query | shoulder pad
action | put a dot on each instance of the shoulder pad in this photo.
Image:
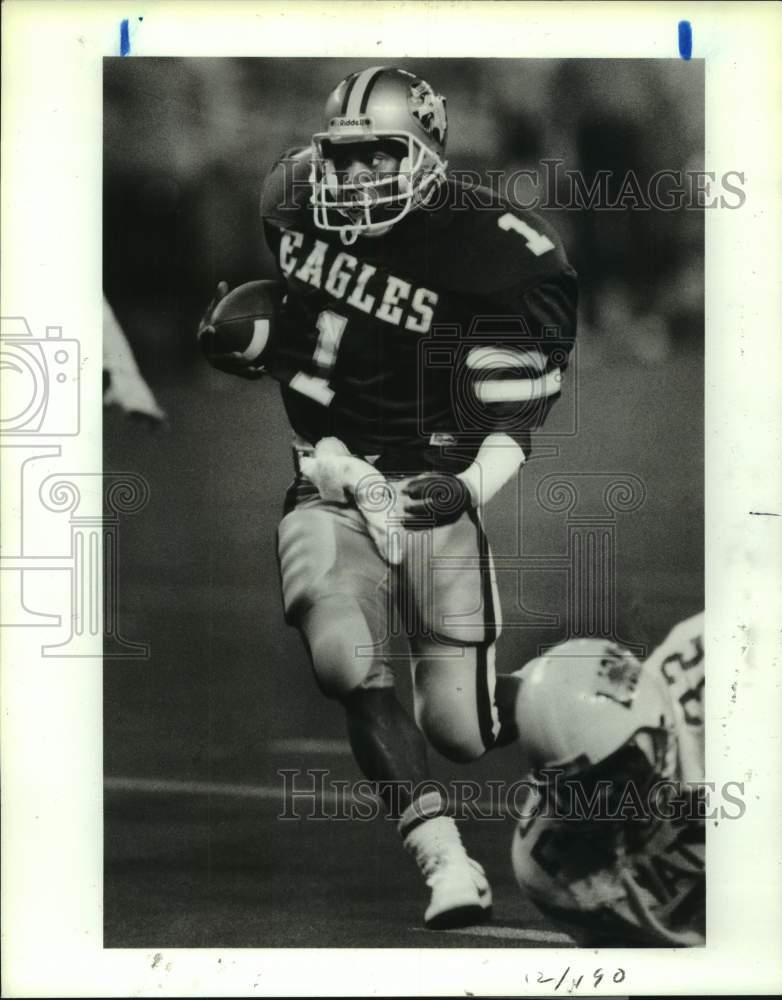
(501, 247)
(286, 190)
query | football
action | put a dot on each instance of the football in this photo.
(244, 325)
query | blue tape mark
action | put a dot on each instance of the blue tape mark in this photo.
(124, 38)
(685, 39)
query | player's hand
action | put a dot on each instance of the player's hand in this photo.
(206, 320)
(435, 498)
(233, 363)
(340, 476)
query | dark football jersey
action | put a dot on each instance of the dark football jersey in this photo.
(415, 345)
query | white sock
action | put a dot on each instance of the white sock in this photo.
(421, 810)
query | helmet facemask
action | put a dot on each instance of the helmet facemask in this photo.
(646, 759)
(371, 204)
(615, 843)
(602, 738)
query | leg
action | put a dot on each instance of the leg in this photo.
(462, 706)
(387, 745)
(391, 751)
(454, 690)
(337, 590)
(453, 605)
(506, 693)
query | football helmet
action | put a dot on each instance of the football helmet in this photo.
(586, 699)
(378, 105)
(589, 709)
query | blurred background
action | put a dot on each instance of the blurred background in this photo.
(226, 694)
(188, 142)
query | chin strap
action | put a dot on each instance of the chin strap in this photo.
(348, 237)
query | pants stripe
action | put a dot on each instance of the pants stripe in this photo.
(484, 673)
(483, 697)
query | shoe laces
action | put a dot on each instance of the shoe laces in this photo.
(437, 844)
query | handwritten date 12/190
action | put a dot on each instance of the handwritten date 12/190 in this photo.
(571, 979)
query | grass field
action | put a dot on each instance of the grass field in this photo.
(195, 735)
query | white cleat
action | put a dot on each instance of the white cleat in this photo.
(461, 895)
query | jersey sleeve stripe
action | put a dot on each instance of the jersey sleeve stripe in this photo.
(519, 390)
(481, 358)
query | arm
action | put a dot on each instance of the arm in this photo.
(442, 497)
(499, 458)
(514, 371)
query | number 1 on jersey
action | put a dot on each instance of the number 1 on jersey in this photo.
(330, 327)
(537, 242)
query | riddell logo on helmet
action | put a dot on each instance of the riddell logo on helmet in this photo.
(365, 123)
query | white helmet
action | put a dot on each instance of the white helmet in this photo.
(589, 709)
(376, 104)
(584, 700)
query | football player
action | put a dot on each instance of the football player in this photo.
(426, 330)
(612, 843)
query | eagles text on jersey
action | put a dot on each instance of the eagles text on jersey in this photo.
(416, 345)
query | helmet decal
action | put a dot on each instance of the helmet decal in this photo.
(429, 109)
(618, 674)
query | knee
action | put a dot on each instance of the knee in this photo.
(446, 714)
(340, 645)
(454, 742)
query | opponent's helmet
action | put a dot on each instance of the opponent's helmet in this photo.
(589, 709)
(588, 698)
(376, 104)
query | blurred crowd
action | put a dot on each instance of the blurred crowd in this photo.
(187, 143)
